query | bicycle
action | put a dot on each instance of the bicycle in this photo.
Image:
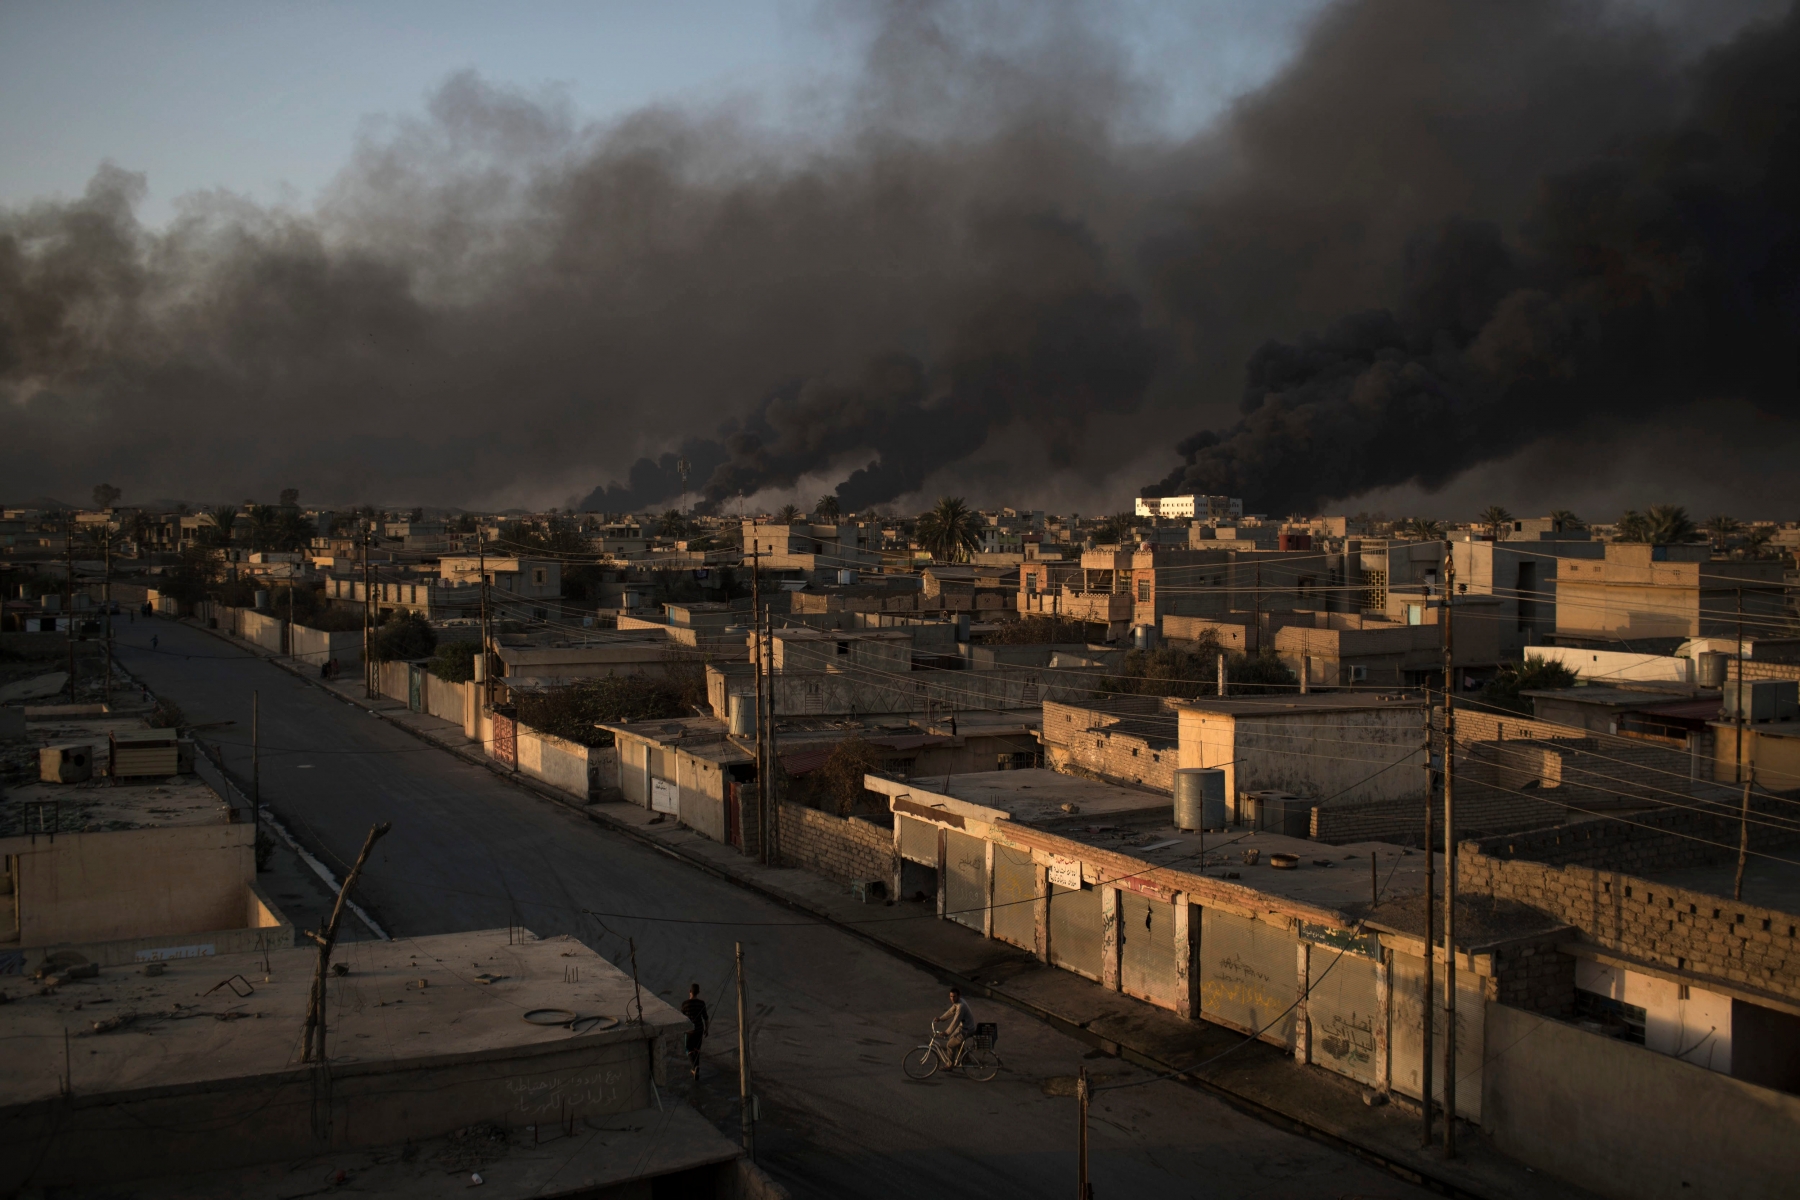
(977, 1060)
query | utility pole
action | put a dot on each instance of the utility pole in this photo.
(106, 601)
(1083, 1094)
(1449, 858)
(756, 641)
(312, 1040)
(368, 621)
(1429, 999)
(1738, 774)
(1221, 672)
(746, 1114)
(69, 596)
(1737, 889)
(486, 659)
(256, 760)
(290, 628)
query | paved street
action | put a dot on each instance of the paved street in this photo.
(832, 1013)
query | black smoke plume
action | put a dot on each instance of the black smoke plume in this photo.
(1662, 274)
(989, 269)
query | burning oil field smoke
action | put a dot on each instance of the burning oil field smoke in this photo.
(992, 269)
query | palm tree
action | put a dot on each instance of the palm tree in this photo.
(1562, 520)
(788, 515)
(671, 524)
(1424, 529)
(1755, 543)
(220, 520)
(1669, 524)
(828, 508)
(1632, 527)
(950, 531)
(1720, 529)
(1495, 518)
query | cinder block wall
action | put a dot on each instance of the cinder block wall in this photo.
(1535, 977)
(1680, 929)
(840, 848)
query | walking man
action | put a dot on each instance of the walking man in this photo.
(694, 1009)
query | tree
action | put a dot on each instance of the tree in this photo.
(219, 523)
(1424, 529)
(1261, 672)
(1534, 674)
(106, 495)
(1631, 527)
(1669, 524)
(1495, 519)
(273, 527)
(950, 531)
(290, 497)
(788, 514)
(1720, 528)
(1755, 543)
(1563, 521)
(404, 635)
(1116, 529)
(1187, 671)
(671, 524)
(828, 508)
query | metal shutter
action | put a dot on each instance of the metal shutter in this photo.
(1075, 930)
(965, 888)
(1344, 1006)
(918, 841)
(1147, 948)
(1015, 897)
(1406, 983)
(1248, 974)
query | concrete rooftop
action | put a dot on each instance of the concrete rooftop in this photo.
(103, 804)
(227, 1017)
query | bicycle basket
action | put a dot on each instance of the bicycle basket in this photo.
(986, 1034)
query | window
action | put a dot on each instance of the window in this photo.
(843, 648)
(539, 575)
(1143, 591)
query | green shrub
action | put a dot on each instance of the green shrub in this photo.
(455, 662)
(403, 636)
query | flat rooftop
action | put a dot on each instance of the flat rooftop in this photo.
(101, 804)
(239, 1016)
(1296, 704)
(1140, 824)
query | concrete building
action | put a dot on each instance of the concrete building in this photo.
(1664, 595)
(425, 1053)
(1520, 572)
(1209, 508)
(815, 552)
(512, 578)
(133, 859)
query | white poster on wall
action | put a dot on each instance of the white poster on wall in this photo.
(1065, 872)
(663, 797)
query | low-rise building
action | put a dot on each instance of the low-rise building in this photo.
(1664, 595)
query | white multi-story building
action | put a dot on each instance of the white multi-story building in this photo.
(1208, 508)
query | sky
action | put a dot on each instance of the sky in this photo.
(1039, 252)
(267, 101)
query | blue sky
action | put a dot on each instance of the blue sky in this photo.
(266, 100)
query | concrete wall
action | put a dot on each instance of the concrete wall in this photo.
(840, 848)
(444, 700)
(315, 647)
(261, 629)
(561, 764)
(1332, 755)
(1628, 1122)
(1694, 932)
(823, 693)
(1616, 666)
(133, 883)
(264, 928)
(1105, 743)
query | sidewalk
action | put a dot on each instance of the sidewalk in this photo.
(1254, 1077)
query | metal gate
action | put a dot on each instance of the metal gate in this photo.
(415, 686)
(1147, 948)
(1075, 930)
(1015, 897)
(1248, 975)
(1406, 987)
(506, 741)
(918, 841)
(965, 883)
(1343, 1006)
(734, 815)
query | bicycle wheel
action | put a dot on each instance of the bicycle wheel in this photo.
(980, 1065)
(920, 1062)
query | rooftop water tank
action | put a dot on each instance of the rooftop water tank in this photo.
(1200, 798)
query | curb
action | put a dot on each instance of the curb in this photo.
(1244, 1104)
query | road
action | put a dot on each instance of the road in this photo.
(832, 1014)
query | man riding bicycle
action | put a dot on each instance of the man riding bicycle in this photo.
(958, 1025)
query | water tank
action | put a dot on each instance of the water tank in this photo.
(1710, 665)
(1200, 798)
(740, 709)
(66, 764)
(962, 627)
(262, 601)
(846, 578)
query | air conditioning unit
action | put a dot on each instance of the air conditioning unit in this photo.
(1276, 812)
(1356, 673)
(66, 764)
